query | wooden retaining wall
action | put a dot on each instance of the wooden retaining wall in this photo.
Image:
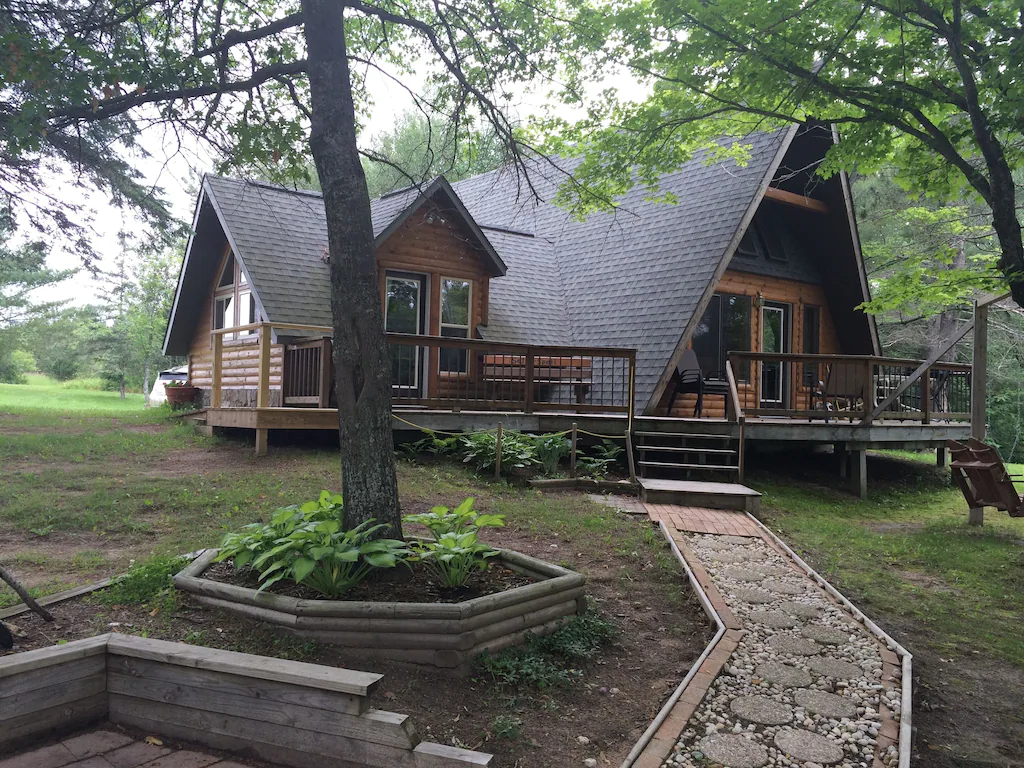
(444, 635)
(285, 712)
(52, 691)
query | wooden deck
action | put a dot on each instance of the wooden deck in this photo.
(878, 434)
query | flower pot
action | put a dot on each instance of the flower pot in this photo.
(181, 395)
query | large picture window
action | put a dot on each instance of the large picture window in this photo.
(724, 328)
(233, 302)
(456, 304)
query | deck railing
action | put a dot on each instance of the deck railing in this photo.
(850, 387)
(434, 372)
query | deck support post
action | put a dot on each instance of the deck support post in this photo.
(940, 456)
(629, 456)
(979, 376)
(844, 459)
(215, 384)
(860, 472)
(261, 442)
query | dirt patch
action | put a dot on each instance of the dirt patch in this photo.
(416, 587)
(661, 630)
(895, 528)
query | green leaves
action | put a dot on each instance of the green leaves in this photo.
(441, 520)
(453, 557)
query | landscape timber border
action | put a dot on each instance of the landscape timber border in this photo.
(446, 635)
(656, 743)
(286, 712)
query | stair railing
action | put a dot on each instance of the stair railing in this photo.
(734, 412)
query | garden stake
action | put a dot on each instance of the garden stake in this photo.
(497, 454)
(572, 453)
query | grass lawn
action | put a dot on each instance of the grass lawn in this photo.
(952, 593)
(42, 393)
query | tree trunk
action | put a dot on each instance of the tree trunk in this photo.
(145, 381)
(361, 357)
(14, 584)
(123, 390)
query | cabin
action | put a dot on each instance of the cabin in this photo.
(725, 318)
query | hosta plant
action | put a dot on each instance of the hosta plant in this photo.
(442, 520)
(518, 451)
(325, 558)
(551, 449)
(453, 557)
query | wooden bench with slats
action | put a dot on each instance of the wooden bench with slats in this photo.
(982, 477)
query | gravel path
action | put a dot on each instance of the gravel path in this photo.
(803, 687)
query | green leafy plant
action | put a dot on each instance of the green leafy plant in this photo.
(507, 727)
(452, 558)
(149, 582)
(518, 451)
(525, 666)
(255, 539)
(580, 638)
(442, 520)
(551, 449)
(431, 444)
(306, 544)
(327, 559)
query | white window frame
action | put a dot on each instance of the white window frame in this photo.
(468, 327)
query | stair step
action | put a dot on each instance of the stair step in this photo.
(685, 449)
(671, 465)
(688, 435)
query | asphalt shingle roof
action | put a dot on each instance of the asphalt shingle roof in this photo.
(629, 278)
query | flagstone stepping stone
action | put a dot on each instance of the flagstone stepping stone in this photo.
(755, 596)
(774, 619)
(826, 635)
(796, 646)
(827, 704)
(808, 747)
(785, 587)
(771, 570)
(837, 668)
(761, 710)
(733, 750)
(741, 574)
(784, 675)
(738, 556)
(801, 609)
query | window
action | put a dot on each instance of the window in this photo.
(751, 246)
(233, 302)
(456, 303)
(812, 342)
(724, 328)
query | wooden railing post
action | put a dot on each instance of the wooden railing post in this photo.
(326, 366)
(218, 364)
(263, 383)
(528, 407)
(572, 451)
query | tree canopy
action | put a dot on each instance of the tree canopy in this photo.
(935, 87)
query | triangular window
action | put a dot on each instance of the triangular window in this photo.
(227, 277)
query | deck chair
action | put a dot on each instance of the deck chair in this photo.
(982, 477)
(845, 384)
(688, 378)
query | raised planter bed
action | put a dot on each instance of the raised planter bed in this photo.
(286, 712)
(445, 635)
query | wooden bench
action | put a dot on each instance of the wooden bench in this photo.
(576, 372)
(982, 477)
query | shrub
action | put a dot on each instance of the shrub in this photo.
(551, 449)
(432, 444)
(518, 451)
(604, 456)
(579, 638)
(147, 582)
(442, 520)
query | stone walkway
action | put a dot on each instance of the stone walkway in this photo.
(109, 748)
(794, 680)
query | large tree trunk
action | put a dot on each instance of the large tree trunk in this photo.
(361, 360)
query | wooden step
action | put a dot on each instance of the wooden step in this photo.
(700, 494)
(673, 465)
(686, 449)
(685, 435)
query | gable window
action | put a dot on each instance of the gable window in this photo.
(456, 303)
(724, 328)
(233, 301)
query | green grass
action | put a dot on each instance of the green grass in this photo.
(42, 393)
(907, 554)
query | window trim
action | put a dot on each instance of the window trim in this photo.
(233, 291)
(468, 327)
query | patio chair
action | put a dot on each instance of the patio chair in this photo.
(688, 378)
(844, 386)
(982, 477)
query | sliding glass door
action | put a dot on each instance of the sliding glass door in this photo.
(405, 303)
(774, 339)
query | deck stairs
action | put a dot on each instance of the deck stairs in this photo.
(693, 462)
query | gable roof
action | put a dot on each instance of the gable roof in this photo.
(638, 277)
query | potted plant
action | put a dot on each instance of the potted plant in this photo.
(180, 393)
